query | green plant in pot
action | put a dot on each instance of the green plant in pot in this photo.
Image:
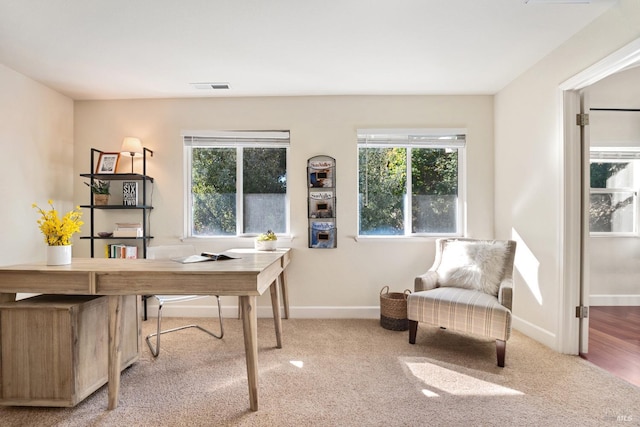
(266, 241)
(100, 190)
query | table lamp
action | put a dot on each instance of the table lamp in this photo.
(131, 147)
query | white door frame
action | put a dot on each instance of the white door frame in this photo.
(571, 232)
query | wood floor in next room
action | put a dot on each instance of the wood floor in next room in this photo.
(614, 341)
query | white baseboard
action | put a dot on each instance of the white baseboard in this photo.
(181, 310)
(614, 300)
(535, 332)
(335, 312)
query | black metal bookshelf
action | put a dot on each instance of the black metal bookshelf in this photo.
(144, 206)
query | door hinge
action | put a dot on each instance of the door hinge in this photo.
(582, 312)
(582, 119)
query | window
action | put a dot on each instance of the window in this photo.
(614, 177)
(236, 183)
(426, 165)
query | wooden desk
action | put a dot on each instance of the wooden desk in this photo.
(246, 277)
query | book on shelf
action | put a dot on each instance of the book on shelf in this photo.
(127, 232)
(204, 256)
(128, 229)
(131, 252)
(128, 225)
(119, 250)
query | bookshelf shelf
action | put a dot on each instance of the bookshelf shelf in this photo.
(116, 238)
(117, 176)
(118, 207)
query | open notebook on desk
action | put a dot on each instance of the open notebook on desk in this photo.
(204, 256)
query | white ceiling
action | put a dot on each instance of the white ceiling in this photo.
(111, 49)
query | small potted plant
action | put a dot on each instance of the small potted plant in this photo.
(266, 241)
(100, 190)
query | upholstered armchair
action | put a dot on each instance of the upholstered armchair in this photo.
(467, 289)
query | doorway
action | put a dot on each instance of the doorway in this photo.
(614, 172)
(575, 331)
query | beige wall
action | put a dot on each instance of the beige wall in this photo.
(529, 171)
(36, 136)
(323, 282)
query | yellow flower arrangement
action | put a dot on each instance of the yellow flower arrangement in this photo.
(58, 232)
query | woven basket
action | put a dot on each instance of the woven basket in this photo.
(393, 309)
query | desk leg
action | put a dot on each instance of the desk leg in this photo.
(6, 298)
(250, 328)
(275, 305)
(115, 337)
(285, 293)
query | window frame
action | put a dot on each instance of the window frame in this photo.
(616, 155)
(238, 140)
(436, 138)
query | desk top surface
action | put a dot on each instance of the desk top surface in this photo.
(247, 261)
(250, 273)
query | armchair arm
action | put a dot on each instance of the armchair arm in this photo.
(428, 280)
(505, 293)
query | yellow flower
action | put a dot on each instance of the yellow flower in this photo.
(58, 232)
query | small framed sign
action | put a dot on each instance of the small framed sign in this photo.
(108, 163)
(129, 193)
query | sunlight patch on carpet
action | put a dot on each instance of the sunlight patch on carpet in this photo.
(297, 363)
(456, 383)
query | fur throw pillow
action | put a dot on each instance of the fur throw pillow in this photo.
(473, 265)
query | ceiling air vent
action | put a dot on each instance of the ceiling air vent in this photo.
(557, 1)
(211, 86)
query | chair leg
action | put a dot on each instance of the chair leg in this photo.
(413, 330)
(156, 351)
(501, 348)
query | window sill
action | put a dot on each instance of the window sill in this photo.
(240, 240)
(609, 235)
(404, 239)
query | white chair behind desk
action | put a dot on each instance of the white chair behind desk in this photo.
(168, 252)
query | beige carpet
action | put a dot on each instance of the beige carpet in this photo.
(351, 373)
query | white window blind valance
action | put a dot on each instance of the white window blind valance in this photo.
(235, 138)
(614, 153)
(433, 138)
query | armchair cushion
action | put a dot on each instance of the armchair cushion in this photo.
(476, 265)
(461, 310)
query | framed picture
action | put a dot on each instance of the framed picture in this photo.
(108, 163)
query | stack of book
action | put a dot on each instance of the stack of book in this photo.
(128, 229)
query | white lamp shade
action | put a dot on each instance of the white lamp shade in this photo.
(131, 147)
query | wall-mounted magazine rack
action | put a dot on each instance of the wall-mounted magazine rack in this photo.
(321, 179)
